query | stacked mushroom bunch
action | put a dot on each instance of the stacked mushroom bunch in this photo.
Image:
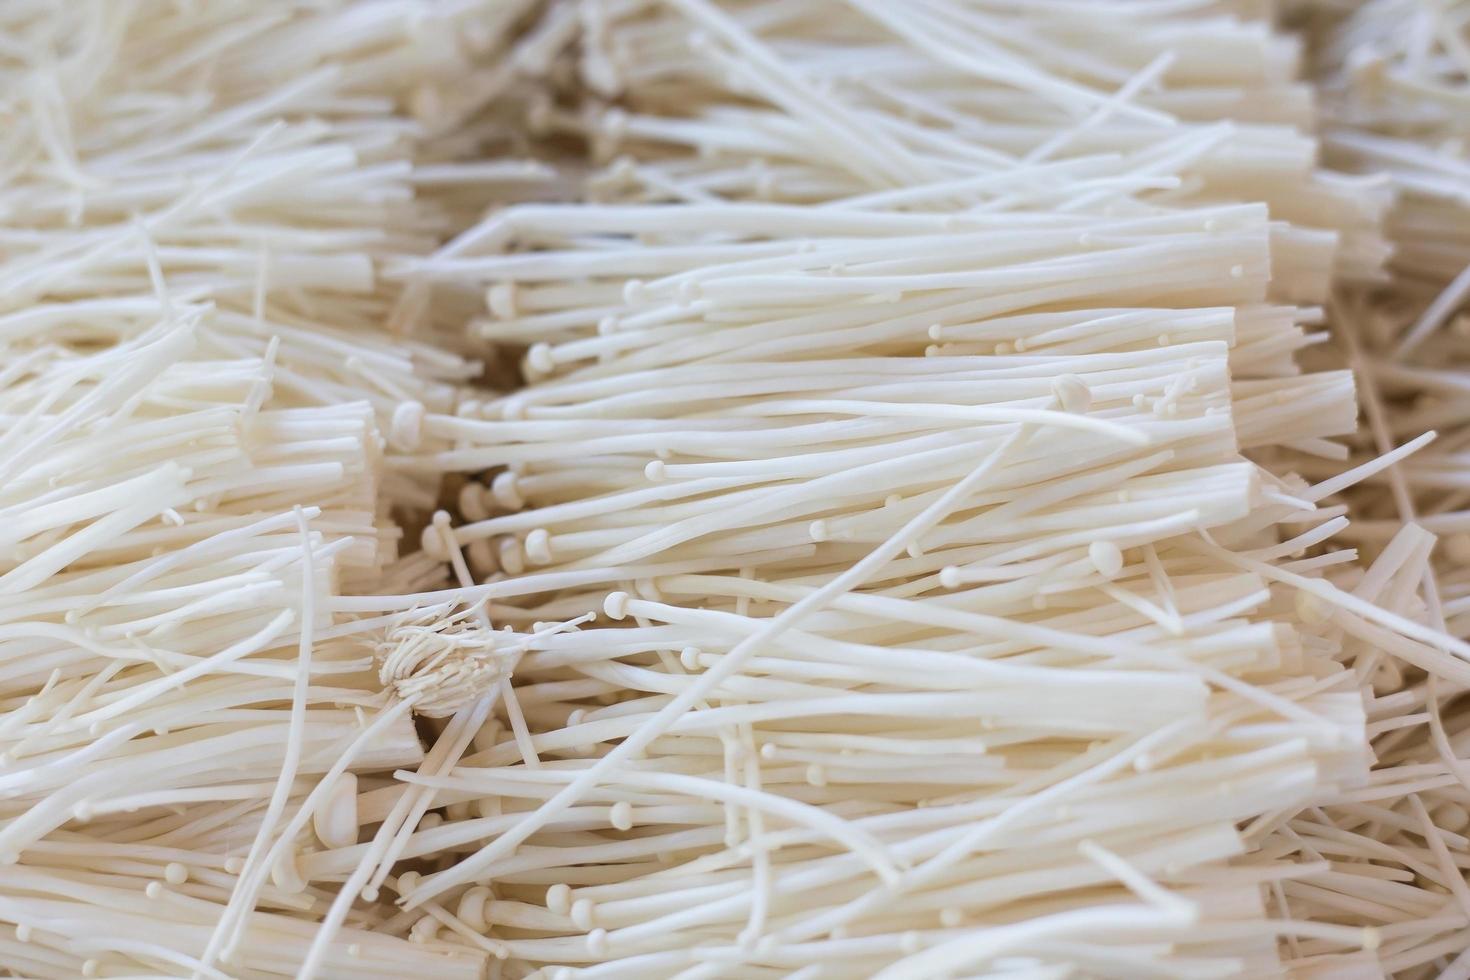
(906, 379)
(1394, 76)
(1393, 82)
(201, 369)
(914, 550)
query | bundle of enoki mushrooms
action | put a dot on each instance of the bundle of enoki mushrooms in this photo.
(733, 488)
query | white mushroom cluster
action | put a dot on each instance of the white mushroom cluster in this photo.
(624, 489)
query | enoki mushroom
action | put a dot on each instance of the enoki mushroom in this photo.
(733, 488)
